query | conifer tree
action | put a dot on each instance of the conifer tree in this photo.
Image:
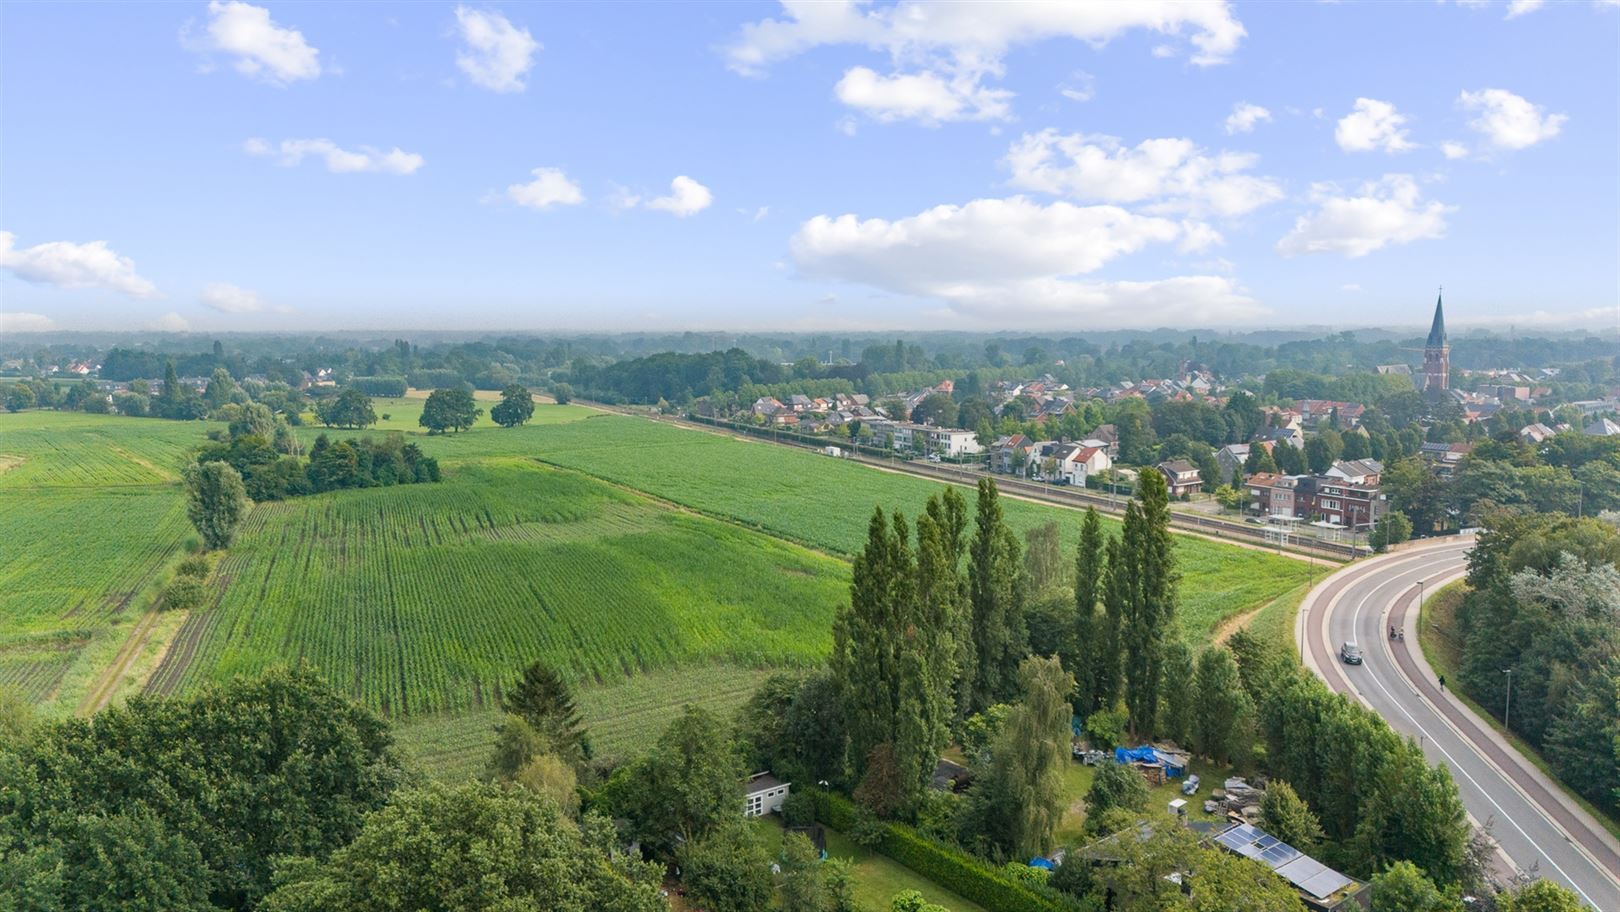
(1110, 638)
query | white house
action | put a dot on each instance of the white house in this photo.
(763, 794)
(1075, 462)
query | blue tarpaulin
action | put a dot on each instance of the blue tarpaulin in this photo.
(1173, 767)
(1135, 754)
(1039, 862)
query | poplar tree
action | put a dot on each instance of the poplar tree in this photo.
(996, 595)
(1110, 633)
(895, 652)
(1088, 628)
(1150, 609)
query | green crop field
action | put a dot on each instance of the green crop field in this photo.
(90, 513)
(541, 542)
(826, 503)
(423, 599)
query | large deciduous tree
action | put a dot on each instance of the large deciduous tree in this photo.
(349, 409)
(516, 406)
(473, 847)
(449, 409)
(150, 803)
(216, 502)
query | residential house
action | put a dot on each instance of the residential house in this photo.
(951, 442)
(1181, 475)
(1536, 433)
(1281, 496)
(1289, 435)
(1107, 437)
(1010, 455)
(1072, 463)
(1231, 458)
(1356, 471)
(1445, 457)
(1603, 427)
(766, 406)
(800, 403)
(1317, 411)
(1348, 504)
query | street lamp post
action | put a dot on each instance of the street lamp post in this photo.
(1507, 706)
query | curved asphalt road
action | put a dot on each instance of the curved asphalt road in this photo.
(1537, 827)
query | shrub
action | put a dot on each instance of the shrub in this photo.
(798, 809)
(194, 567)
(184, 594)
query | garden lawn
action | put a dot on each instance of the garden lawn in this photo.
(877, 877)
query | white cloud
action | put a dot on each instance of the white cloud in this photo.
(227, 298)
(290, 152)
(1172, 175)
(170, 322)
(550, 187)
(1372, 125)
(1081, 87)
(942, 52)
(926, 97)
(846, 126)
(1386, 211)
(1017, 259)
(1244, 116)
(495, 54)
(1350, 286)
(263, 50)
(1518, 8)
(69, 265)
(686, 197)
(1454, 150)
(17, 321)
(1509, 121)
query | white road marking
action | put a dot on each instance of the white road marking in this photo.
(1457, 768)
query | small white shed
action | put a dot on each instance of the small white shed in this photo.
(763, 794)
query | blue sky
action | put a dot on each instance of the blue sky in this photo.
(284, 166)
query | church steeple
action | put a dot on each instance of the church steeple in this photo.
(1437, 352)
(1437, 330)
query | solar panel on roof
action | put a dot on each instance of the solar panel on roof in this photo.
(1325, 884)
(1266, 841)
(1280, 854)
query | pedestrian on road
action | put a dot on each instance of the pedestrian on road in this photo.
(1442, 682)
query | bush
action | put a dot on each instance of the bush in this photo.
(194, 567)
(184, 594)
(798, 809)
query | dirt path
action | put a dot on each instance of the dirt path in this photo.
(106, 686)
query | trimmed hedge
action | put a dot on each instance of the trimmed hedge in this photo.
(950, 868)
(385, 387)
